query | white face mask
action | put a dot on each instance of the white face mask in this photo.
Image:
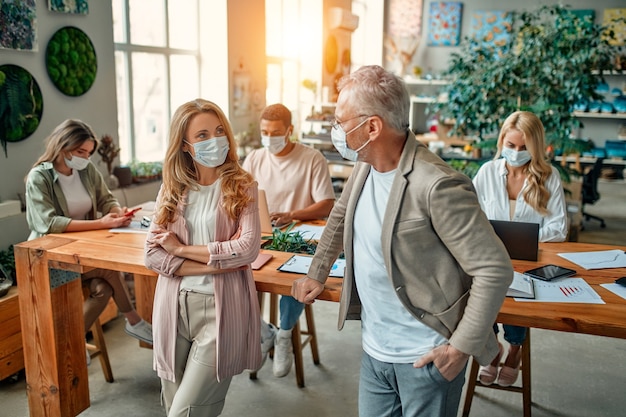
(77, 163)
(211, 152)
(338, 137)
(515, 158)
(274, 144)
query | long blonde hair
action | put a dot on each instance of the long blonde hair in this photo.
(179, 170)
(539, 169)
(67, 137)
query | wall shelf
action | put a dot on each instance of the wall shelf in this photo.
(599, 115)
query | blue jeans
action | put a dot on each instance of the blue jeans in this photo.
(400, 390)
(515, 335)
(290, 310)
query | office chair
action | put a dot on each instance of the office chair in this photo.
(590, 190)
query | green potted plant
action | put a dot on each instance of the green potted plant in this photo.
(550, 62)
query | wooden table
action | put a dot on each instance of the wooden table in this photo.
(52, 321)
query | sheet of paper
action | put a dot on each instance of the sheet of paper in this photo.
(597, 260)
(567, 290)
(300, 264)
(309, 231)
(133, 227)
(616, 289)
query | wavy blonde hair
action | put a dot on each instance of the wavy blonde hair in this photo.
(539, 169)
(179, 170)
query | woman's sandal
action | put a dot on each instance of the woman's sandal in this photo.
(487, 374)
(508, 375)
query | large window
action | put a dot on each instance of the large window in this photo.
(157, 64)
(294, 52)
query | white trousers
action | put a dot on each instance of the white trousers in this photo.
(196, 391)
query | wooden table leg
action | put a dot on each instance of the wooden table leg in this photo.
(145, 286)
(53, 335)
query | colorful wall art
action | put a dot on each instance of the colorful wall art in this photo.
(18, 25)
(69, 6)
(71, 61)
(21, 104)
(444, 23)
(611, 17)
(491, 27)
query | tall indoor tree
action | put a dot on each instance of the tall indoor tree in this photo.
(553, 58)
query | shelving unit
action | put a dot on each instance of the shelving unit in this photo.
(422, 93)
(602, 126)
(318, 124)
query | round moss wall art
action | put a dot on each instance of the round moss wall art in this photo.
(21, 104)
(71, 61)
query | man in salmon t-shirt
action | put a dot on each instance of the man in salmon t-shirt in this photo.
(297, 183)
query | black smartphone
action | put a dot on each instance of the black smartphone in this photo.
(550, 272)
(621, 281)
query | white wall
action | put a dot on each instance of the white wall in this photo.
(97, 107)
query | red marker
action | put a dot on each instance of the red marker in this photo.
(132, 212)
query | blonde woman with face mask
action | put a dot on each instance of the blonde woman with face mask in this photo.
(520, 185)
(205, 234)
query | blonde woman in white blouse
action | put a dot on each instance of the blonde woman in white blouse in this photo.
(521, 185)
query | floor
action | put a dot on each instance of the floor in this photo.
(572, 375)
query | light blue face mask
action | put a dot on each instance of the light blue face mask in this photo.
(211, 152)
(338, 137)
(515, 158)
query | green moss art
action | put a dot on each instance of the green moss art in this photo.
(21, 104)
(71, 61)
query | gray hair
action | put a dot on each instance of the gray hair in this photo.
(376, 91)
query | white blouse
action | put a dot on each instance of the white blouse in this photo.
(490, 184)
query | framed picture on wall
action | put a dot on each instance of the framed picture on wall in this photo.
(18, 28)
(241, 93)
(69, 6)
(444, 23)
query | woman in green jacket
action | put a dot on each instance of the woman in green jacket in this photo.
(65, 192)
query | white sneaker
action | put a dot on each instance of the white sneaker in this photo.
(268, 343)
(141, 331)
(283, 353)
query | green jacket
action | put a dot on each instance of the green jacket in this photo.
(46, 206)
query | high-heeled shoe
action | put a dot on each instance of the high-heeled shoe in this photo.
(488, 374)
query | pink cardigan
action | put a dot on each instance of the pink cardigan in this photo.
(236, 302)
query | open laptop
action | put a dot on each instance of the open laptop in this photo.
(520, 239)
(264, 213)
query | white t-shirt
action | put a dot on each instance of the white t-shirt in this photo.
(291, 182)
(200, 216)
(76, 195)
(389, 332)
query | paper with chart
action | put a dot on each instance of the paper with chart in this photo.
(567, 290)
(597, 260)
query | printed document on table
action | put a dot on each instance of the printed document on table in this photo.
(309, 232)
(567, 290)
(616, 289)
(300, 264)
(597, 260)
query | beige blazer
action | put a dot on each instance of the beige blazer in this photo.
(437, 245)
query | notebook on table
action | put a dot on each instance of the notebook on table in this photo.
(521, 239)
